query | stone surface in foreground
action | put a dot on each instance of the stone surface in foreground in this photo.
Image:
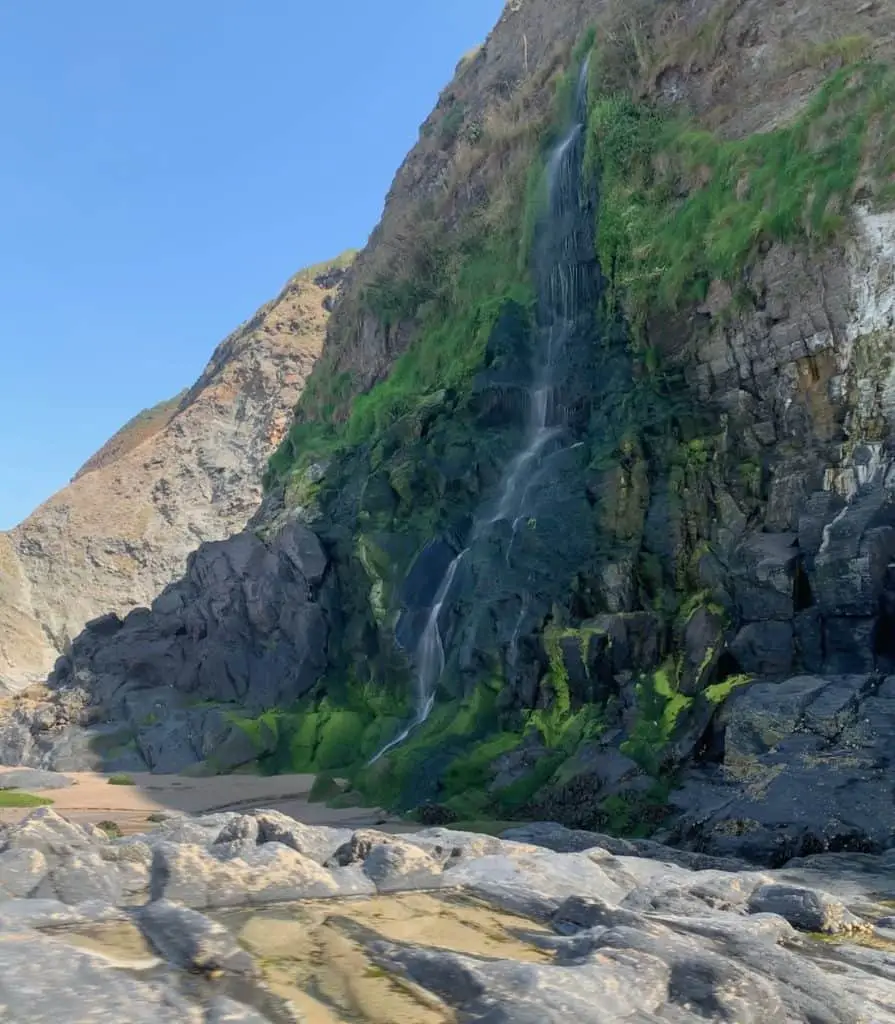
(257, 919)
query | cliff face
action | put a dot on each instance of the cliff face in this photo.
(184, 472)
(598, 451)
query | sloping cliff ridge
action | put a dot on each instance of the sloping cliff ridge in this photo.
(685, 626)
(184, 472)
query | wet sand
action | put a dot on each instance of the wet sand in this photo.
(92, 799)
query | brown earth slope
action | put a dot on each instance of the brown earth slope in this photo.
(184, 472)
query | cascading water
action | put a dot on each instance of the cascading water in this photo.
(428, 661)
(562, 292)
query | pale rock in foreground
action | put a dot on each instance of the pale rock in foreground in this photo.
(619, 937)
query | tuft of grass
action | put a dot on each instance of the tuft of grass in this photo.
(846, 49)
(121, 780)
(111, 828)
(19, 798)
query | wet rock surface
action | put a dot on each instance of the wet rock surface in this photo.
(514, 932)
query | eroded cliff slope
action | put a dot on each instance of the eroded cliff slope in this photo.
(184, 472)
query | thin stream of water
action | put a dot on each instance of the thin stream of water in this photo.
(561, 288)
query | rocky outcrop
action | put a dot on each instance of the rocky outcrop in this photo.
(523, 933)
(186, 472)
(796, 767)
(243, 631)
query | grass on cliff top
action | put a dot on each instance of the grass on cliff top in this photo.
(681, 207)
(19, 798)
(341, 262)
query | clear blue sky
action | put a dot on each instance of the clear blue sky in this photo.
(167, 165)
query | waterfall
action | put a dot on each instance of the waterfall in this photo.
(562, 295)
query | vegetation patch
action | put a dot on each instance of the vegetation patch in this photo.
(121, 780)
(635, 815)
(338, 731)
(19, 798)
(719, 692)
(659, 706)
(681, 207)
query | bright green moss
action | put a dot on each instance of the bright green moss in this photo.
(719, 693)
(659, 706)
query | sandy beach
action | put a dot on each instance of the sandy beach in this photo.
(92, 798)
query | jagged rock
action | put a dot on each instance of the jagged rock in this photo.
(317, 842)
(242, 625)
(401, 866)
(534, 883)
(515, 764)
(46, 831)
(389, 861)
(807, 767)
(621, 983)
(763, 576)
(243, 829)
(84, 876)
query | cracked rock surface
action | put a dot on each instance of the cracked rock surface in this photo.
(254, 918)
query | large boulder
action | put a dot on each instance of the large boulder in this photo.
(806, 765)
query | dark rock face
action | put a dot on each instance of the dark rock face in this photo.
(808, 765)
(244, 627)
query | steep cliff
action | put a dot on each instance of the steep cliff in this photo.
(186, 471)
(597, 449)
